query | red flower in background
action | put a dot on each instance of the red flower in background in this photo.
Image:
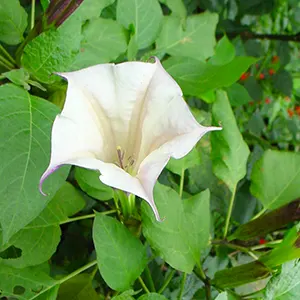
(297, 110)
(290, 112)
(262, 241)
(272, 72)
(244, 76)
(275, 59)
(261, 76)
(267, 100)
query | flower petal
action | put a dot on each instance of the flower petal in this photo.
(167, 119)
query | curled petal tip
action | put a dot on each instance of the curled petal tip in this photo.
(41, 189)
(44, 176)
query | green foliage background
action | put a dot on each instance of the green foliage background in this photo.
(231, 205)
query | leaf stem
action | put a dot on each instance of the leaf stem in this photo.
(229, 211)
(32, 14)
(143, 285)
(149, 278)
(66, 278)
(90, 216)
(181, 182)
(235, 247)
(259, 214)
(7, 54)
(168, 280)
(182, 286)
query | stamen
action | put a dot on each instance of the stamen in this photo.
(120, 156)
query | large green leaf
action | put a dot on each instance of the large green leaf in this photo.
(184, 233)
(229, 150)
(39, 239)
(25, 125)
(275, 178)
(23, 283)
(121, 256)
(144, 15)
(287, 283)
(196, 77)
(90, 183)
(196, 40)
(103, 41)
(13, 22)
(52, 51)
(78, 288)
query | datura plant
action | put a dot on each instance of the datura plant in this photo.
(126, 120)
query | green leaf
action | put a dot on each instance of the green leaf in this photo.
(287, 250)
(103, 41)
(178, 166)
(229, 150)
(78, 288)
(25, 125)
(127, 295)
(224, 296)
(91, 9)
(132, 48)
(23, 283)
(224, 52)
(51, 294)
(238, 95)
(280, 286)
(275, 178)
(146, 17)
(13, 22)
(197, 40)
(90, 183)
(19, 77)
(283, 82)
(39, 239)
(121, 256)
(236, 276)
(184, 233)
(196, 77)
(152, 296)
(269, 222)
(177, 7)
(52, 51)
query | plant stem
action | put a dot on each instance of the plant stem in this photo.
(7, 54)
(32, 14)
(229, 211)
(168, 280)
(182, 286)
(66, 278)
(149, 278)
(181, 182)
(86, 217)
(143, 285)
(7, 64)
(200, 273)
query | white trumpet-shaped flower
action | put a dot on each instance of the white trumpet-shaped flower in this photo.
(125, 120)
